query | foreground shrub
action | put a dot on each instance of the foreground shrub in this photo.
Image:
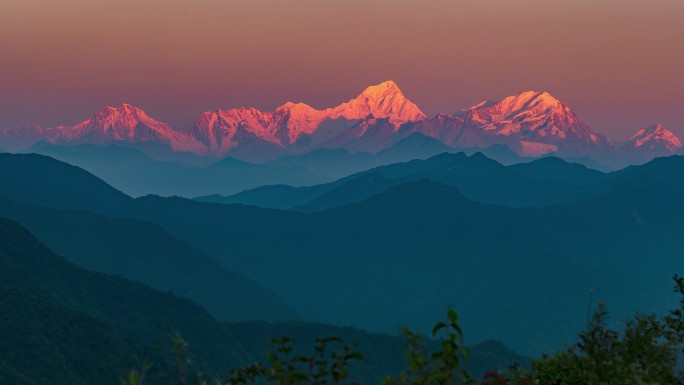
(645, 351)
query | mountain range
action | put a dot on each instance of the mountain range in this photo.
(395, 245)
(136, 285)
(67, 325)
(530, 123)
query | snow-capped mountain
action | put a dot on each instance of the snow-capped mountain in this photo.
(653, 141)
(530, 123)
(384, 100)
(129, 124)
(124, 123)
(536, 120)
(222, 130)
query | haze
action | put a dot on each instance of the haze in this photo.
(617, 63)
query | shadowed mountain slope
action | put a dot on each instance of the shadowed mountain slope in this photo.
(144, 252)
(66, 325)
(403, 254)
(541, 183)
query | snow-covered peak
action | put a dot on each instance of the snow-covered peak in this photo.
(656, 139)
(125, 123)
(301, 111)
(540, 102)
(127, 107)
(120, 121)
(536, 118)
(382, 89)
(384, 100)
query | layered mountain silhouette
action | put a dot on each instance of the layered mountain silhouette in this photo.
(542, 182)
(406, 252)
(143, 252)
(136, 173)
(67, 325)
(63, 324)
(530, 123)
(397, 244)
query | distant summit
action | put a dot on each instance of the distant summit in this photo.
(657, 139)
(531, 123)
(124, 123)
(384, 100)
(538, 121)
(651, 142)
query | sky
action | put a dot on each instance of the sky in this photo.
(616, 63)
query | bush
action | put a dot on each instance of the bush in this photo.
(644, 352)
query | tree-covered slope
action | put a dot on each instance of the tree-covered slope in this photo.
(143, 252)
(44, 344)
(65, 325)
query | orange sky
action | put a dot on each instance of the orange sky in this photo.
(617, 63)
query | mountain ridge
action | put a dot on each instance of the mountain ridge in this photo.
(531, 123)
(453, 236)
